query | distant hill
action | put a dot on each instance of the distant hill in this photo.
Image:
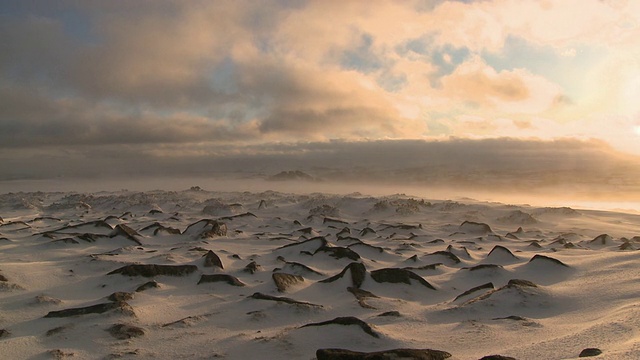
(291, 175)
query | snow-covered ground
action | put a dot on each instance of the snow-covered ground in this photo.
(246, 271)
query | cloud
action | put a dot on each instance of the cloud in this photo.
(502, 165)
(515, 91)
(239, 72)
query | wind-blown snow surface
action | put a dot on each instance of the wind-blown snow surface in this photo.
(465, 277)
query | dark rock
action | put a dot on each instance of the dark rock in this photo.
(390, 313)
(497, 357)
(394, 275)
(347, 320)
(229, 279)
(206, 228)
(262, 205)
(120, 296)
(483, 266)
(124, 331)
(59, 354)
(334, 221)
(284, 281)
(252, 267)
(547, 259)
(475, 227)
(408, 354)
(312, 244)
(366, 231)
(3, 278)
(588, 352)
(261, 296)
(151, 270)
(358, 272)
(4, 333)
(232, 217)
(498, 249)
(127, 232)
(512, 317)
(338, 252)
(477, 288)
(148, 285)
(211, 260)
(120, 306)
(91, 237)
(447, 254)
(157, 227)
(602, 239)
(520, 282)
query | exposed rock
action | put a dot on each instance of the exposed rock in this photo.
(520, 282)
(262, 205)
(394, 354)
(229, 279)
(312, 245)
(3, 278)
(120, 296)
(497, 357)
(543, 258)
(501, 250)
(261, 296)
(120, 306)
(447, 254)
(603, 239)
(148, 285)
(588, 352)
(474, 289)
(334, 221)
(394, 275)
(475, 227)
(127, 232)
(206, 228)
(366, 231)
(4, 333)
(91, 237)
(59, 354)
(187, 321)
(252, 267)
(151, 270)
(338, 252)
(512, 317)
(483, 266)
(157, 228)
(284, 281)
(357, 270)
(347, 320)
(390, 313)
(211, 260)
(124, 331)
(518, 217)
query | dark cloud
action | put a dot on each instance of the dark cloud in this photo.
(498, 165)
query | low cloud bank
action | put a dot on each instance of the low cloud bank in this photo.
(492, 164)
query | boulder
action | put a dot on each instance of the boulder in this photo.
(408, 354)
(151, 270)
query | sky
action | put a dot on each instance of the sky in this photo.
(151, 84)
